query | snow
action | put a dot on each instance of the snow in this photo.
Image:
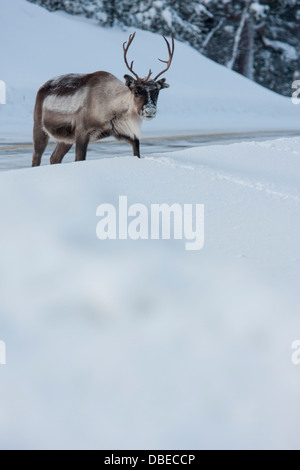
(203, 96)
(258, 10)
(167, 15)
(142, 344)
(288, 51)
(200, 9)
(136, 344)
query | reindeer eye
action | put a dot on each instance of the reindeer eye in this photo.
(137, 92)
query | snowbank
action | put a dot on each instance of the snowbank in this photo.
(204, 96)
(141, 344)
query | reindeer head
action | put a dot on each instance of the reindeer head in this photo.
(146, 91)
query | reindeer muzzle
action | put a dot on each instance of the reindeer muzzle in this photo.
(148, 112)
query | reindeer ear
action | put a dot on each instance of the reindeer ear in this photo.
(129, 81)
(162, 83)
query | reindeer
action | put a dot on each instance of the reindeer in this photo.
(83, 108)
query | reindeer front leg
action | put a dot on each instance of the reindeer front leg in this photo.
(135, 143)
(136, 147)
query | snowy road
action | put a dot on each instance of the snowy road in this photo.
(17, 155)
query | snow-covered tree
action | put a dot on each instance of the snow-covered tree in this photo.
(257, 38)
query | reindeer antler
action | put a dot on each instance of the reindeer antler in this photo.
(171, 53)
(125, 48)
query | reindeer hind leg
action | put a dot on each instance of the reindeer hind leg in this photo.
(40, 141)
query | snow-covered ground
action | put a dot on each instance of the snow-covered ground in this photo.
(141, 344)
(203, 96)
